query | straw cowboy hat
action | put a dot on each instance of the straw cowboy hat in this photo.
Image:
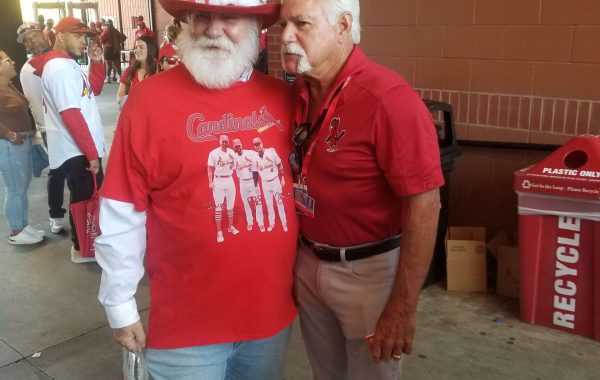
(179, 8)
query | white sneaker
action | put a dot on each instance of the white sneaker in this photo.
(57, 225)
(24, 238)
(285, 229)
(249, 227)
(261, 227)
(233, 230)
(270, 228)
(78, 259)
(220, 238)
(33, 231)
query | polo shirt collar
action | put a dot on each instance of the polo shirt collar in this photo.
(356, 62)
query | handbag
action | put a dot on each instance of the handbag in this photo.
(85, 218)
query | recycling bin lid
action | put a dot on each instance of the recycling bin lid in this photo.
(573, 170)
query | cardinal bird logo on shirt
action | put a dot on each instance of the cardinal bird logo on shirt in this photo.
(334, 135)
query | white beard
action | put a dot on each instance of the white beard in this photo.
(295, 48)
(217, 68)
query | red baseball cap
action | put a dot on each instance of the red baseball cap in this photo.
(71, 24)
(257, 8)
(167, 50)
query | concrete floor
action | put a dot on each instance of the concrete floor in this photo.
(48, 306)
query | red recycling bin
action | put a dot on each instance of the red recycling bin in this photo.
(559, 238)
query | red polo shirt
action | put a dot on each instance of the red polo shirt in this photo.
(383, 147)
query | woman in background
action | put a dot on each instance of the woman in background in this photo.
(16, 129)
(146, 56)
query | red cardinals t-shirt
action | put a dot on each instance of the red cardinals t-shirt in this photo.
(205, 291)
(379, 146)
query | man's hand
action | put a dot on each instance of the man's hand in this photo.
(210, 185)
(132, 337)
(282, 181)
(393, 334)
(95, 51)
(94, 166)
(395, 328)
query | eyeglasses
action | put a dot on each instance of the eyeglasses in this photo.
(170, 60)
(5, 59)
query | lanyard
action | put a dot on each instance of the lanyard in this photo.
(325, 121)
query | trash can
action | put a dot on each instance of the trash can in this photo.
(449, 150)
(559, 238)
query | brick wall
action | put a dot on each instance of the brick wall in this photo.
(524, 71)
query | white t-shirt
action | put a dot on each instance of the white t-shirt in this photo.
(66, 86)
(245, 164)
(32, 88)
(222, 161)
(267, 165)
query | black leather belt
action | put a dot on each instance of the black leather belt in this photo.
(332, 254)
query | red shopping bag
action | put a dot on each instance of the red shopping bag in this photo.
(85, 217)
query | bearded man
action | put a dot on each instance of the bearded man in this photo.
(218, 309)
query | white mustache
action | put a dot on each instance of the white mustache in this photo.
(293, 48)
(220, 43)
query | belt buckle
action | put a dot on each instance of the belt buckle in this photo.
(327, 252)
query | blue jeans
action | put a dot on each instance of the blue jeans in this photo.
(16, 170)
(248, 360)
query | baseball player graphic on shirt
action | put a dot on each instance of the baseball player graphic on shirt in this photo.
(220, 180)
(269, 168)
(247, 173)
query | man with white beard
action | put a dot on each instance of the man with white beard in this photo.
(218, 309)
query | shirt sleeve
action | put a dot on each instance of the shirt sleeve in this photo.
(405, 141)
(79, 130)
(120, 251)
(97, 75)
(66, 87)
(123, 77)
(32, 88)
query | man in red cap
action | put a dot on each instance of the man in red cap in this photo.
(367, 187)
(219, 308)
(73, 126)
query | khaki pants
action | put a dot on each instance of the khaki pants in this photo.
(339, 305)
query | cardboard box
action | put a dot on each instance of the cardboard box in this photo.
(508, 271)
(465, 259)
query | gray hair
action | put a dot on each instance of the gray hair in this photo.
(335, 8)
